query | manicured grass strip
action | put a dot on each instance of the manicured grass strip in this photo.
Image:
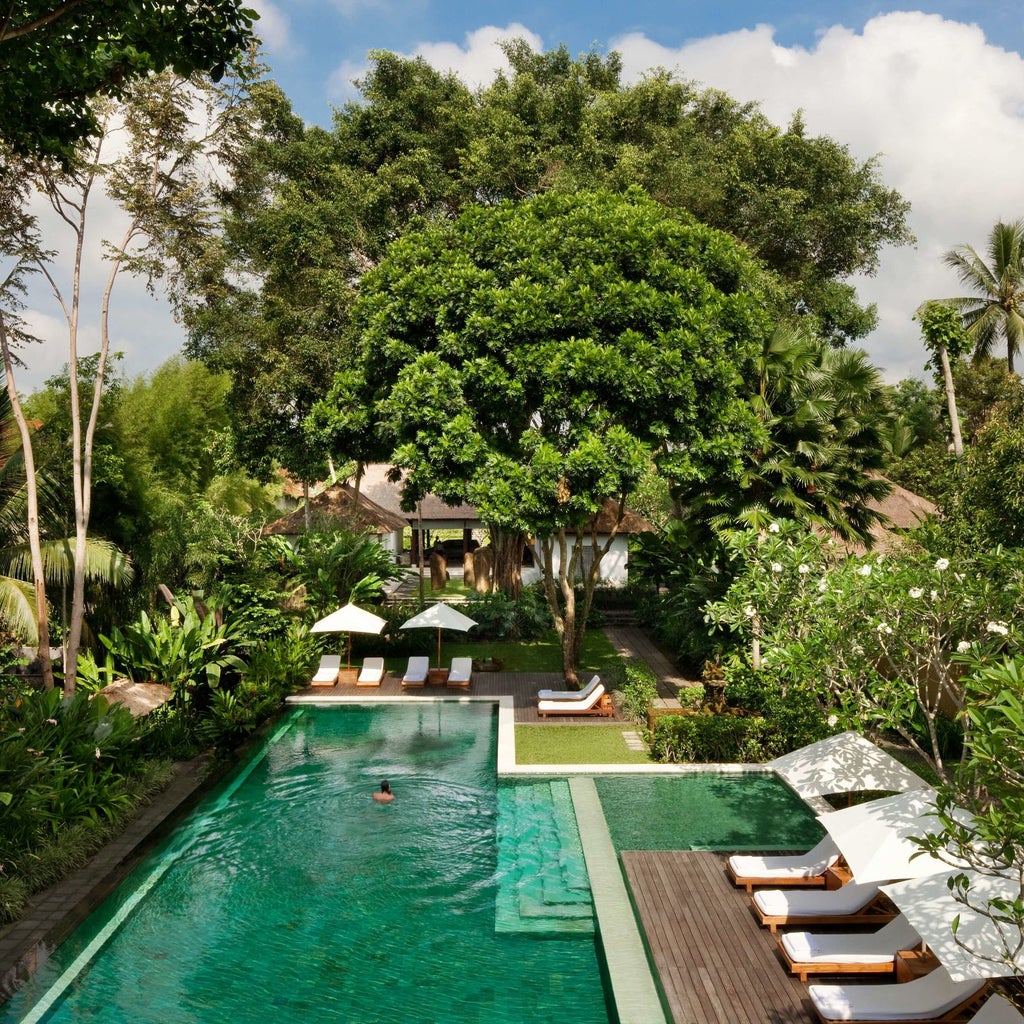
(576, 744)
(543, 655)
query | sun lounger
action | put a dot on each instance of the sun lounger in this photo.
(597, 702)
(570, 694)
(371, 673)
(416, 671)
(461, 672)
(998, 1010)
(803, 869)
(327, 671)
(858, 953)
(856, 903)
(935, 997)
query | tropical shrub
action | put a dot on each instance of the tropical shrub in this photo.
(876, 637)
(639, 691)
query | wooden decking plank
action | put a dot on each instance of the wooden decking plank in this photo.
(716, 965)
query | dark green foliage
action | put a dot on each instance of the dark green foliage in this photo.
(500, 617)
(55, 59)
(776, 720)
(639, 691)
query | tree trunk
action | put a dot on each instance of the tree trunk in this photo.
(32, 495)
(507, 570)
(954, 418)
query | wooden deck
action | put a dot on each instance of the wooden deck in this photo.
(716, 964)
(521, 686)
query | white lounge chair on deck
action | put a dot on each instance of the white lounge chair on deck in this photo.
(416, 671)
(855, 903)
(461, 672)
(846, 953)
(934, 997)
(371, 673)
(997, 1010)
(327, 671)
(597, 702)
(570, 694)
(804, 869)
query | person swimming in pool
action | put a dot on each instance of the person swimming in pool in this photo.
(384, 794)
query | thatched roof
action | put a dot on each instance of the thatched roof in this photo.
(632, 522)
(901, 510)
(336, 509)
(376, 485)
(138, 698)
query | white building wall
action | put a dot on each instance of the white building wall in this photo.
(613, 564)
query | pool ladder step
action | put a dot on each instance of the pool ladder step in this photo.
(542, 882)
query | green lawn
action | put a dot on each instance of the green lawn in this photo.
(543, 655)
(576, 744)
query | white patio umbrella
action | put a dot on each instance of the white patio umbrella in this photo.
(875, 837)
(440, 616)
(348, 620)
(845, 763)
(985, 949)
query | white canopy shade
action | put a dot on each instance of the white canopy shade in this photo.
(350, 619)
(875, 837)
(845, 763)
(440, 616)
(930, 907)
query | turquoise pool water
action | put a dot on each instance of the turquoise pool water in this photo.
(291, 896)
(706, 811)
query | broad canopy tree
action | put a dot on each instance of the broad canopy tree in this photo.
(535, 358)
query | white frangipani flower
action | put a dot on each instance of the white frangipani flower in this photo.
(884, 627)
(864, 570)
(803, 568)
(963, 646)
(915, 592)
(997, 627)
(822, 586)
(776, 567)
(750, 611)
(942, 564)
(773, 528)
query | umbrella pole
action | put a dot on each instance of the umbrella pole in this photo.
(348, 657)
(438, 646)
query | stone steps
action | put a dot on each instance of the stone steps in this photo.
(542, 881)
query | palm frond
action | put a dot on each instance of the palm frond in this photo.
(18, 608)
(104, 562)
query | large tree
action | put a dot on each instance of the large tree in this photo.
(534, 358)
(56, 58)
(267, 291)
(995, 310)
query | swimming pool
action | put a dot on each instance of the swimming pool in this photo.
(706, 811)
(291, 896)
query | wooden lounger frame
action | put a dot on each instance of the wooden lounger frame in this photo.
(603, 708)
(802, 968)
(878, 910)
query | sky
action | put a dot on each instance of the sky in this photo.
(936, 96)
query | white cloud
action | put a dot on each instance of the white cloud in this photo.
(477, 62)
(480, 59)
(942, 108)
(274, 28)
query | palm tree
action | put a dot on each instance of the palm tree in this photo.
(824, 420)
(994, 311)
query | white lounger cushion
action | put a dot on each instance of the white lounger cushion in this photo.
(848, 948)
(373, 671)
(806, 902)
(997, 1011)
(801, 865)
(416, 671)
(570, 694)
(461, 670)
(569, 706)
(327, 670)
(921, 999)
